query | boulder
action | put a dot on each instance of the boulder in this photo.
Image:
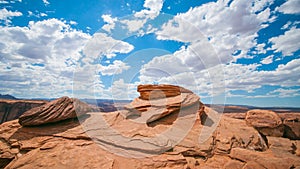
(54, 111)
(266, 122)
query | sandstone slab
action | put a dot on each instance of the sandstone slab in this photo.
(54, 111)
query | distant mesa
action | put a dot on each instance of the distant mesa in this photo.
(7, 96)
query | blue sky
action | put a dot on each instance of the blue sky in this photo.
(231, 51)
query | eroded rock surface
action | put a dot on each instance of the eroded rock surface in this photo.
(157, 101)
(192, 138)
(13, 109)
(150, 92)
(54, 111)
(266, 122)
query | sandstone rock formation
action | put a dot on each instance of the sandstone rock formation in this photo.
(149, 92)
(67, 144)
(54, 111)
(266, 122)
(13, 109)
(182, 139)
(292, 127)
(157, 101)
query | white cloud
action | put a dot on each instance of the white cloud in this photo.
(288, 43)
(153, 9)
(267, 60)
(4, 2)
(230, 28)
(116, 68)
(39, 55)
(287, 25)
(110, 22)
(46, 2)
(6, 15)
(103, 45)
(120, 90)
(36, 14)
(284, 92)
(134, 25)
(246, 77)
(290, 7)
(260, 48)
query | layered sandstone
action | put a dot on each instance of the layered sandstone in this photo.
(13, 109)
(265, 121)
(157, 101)
(182, 139)
(54, 111)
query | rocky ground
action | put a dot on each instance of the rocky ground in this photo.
(185, 134)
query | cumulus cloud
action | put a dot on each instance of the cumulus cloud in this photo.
(46, 2)
(152, 10)
(288, 43)
(110, 22)
(116, 68)
(103, 45)
(40, 54)
(120, 90)
(281, 92)
(290, 7)
(6, 15)
(213, 32)
(247, 77)
(229, 27)
(267, 60)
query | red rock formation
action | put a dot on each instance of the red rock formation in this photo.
(57, 110)
(183, 139)
(67, 145)
(266, 122)
(13, 109)
(157, 101)
(149, 92)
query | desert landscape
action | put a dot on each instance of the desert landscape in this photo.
(68, 133)
(150, 84)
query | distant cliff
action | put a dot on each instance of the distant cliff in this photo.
(12, 109)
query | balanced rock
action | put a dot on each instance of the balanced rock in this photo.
(157, 101)
(266, 122)
(54, 111)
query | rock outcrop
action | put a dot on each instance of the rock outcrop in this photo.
(149, 92)
(13, 109)
(54, 111)
(292, 128)
(182, 139)
(266, 122)
(157, 101)
(67, 144)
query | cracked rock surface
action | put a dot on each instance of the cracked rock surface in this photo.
(189, 137)
(66, 144)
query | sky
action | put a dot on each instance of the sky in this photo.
(243, 52)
